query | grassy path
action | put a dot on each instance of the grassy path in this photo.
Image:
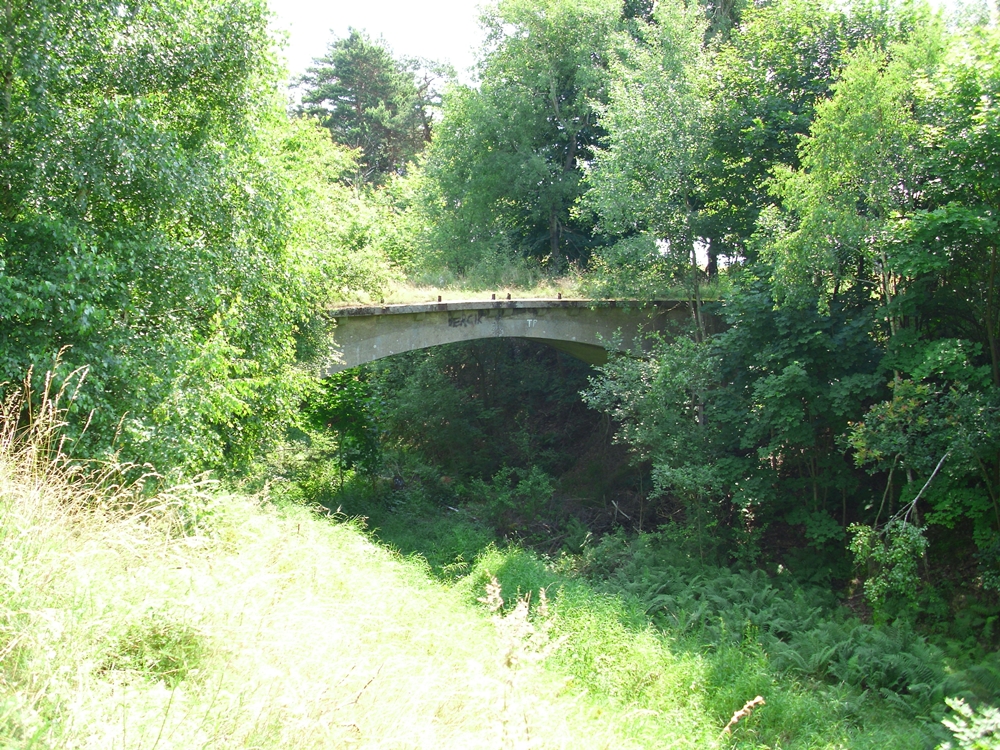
(215, 621)
(267, 628)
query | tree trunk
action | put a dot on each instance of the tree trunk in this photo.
(422, 104)
(695, 288)
(7, 69)
(991, 319)
(713, 262)
(554, 231)
(7, 203)
(889, 286)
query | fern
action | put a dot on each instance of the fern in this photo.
(801, 630)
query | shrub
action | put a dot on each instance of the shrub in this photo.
(974, 729)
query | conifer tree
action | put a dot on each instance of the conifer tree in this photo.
(371, 101)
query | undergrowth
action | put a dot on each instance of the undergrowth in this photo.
(188, 618)
(648, 623)
(803, 628)
(674, 683)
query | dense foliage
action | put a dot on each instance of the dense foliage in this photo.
(371, 101)
(832, 170)
(862, 327)
(505, 168)
(139, 228)
(163, 224)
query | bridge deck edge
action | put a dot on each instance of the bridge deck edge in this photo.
(506, 304)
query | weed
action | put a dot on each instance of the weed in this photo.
(158, 645)
(743, 713)
(525, 640)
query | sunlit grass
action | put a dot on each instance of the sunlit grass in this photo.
(409, 292)
(203, 620)
(278, 629)
(195, 619)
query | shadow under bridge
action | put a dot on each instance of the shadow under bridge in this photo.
(579, 327)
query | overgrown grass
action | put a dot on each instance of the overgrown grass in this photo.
(500, 274)
(459, 289)
(572, 286)
(640, 613)
(125, 625)
(191, 618)
(521, 278)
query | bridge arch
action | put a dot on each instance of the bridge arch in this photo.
(578, 327)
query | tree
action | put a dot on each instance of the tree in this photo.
(894, 208)
(853, 261)
(141, 224)
(645, 180)
(333, 228)
(859, 171)
(342, 404)
(959, 230)
(945, 401)
(505, 164)
(768, 76)
(373, 102)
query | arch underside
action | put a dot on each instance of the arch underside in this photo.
(592, 354)
(577, 330)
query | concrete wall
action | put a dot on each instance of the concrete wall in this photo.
(577, 327)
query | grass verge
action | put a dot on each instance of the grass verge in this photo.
(192, 618)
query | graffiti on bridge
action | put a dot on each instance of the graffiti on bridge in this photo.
(497, 317)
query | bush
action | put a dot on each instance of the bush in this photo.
(513, 494)
(974, 729)
(632, 268)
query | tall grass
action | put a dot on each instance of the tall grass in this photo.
(126, 624)
(188, 618)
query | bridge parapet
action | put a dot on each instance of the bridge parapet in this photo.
(579, 327)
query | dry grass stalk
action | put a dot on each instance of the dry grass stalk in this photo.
(524, 641)
(744, 712)
(35, 451)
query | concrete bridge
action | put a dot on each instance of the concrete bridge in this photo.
(579, 327)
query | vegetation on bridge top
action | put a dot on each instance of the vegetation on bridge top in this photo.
(568, 286)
